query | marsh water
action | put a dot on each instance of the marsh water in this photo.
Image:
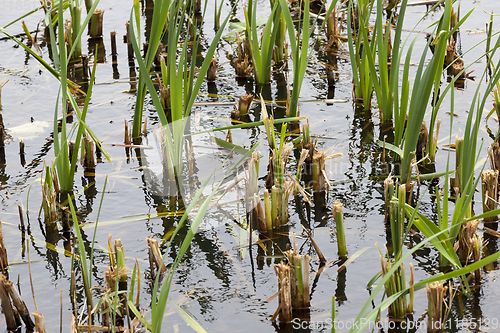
(221, 282)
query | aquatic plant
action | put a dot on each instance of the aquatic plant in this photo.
(178, 76)
(357, 18)
(261, 55)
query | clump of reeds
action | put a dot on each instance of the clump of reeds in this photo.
(489, 182)
(395, 284)
(435, 297)
(293, 284)
(283, 272)
(95, 29)
(299, 279)
(338, 214)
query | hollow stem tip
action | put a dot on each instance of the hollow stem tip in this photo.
(339, 222)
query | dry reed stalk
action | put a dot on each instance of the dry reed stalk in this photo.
(388, 194)
(96, 24)
(85, 67)
(267, 209)
(3, 82)
(4, 263)
(130, 48)
(244, 104)
(423, 138)
(73, 324)
(65, 213)
(155, 257)
(112, 35)
(7, 308)
(489, 182)
(212, 68)
(261, 219)
(477, 247)
(243, 67)
(283, 272)
(128, 135)
(22, 155)
(318, 167)
(18, 303)
(494, 153)
(158, 55)
(322, 258)
(435, 297)
(88, 154)
(466, 240)
(21, 218)
(411, 283)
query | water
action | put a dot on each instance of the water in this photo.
(222, 286)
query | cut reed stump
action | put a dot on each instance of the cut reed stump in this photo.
(244, 104)
(95, 30)
(212, 68)
(299, 279)
(466, 241)
(435, 297)
(130, 48)
(88, 155)
(283, 272)
(388, 194)
(22, 155)
(85, 67)
(112, 35)
(39, 322)
(489, 182)
(338, 214)
(423, 138)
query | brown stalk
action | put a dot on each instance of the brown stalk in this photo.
(489, 182)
